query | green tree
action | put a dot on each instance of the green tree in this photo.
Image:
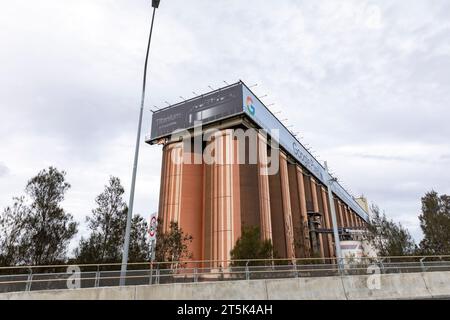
(172, 246)
(39, 232)
(139, 244)
(250, 246)
(387, 237)
(12, 231)
(107, 230)
(435, 224)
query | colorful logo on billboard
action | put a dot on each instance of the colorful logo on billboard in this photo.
(250, 107)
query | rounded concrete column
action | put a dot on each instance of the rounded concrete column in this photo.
(222, 207)
(181, 195)
(341, 214)
(287, 212)
(328, 223)
(303, 213)
(316, 209)
(171, 175)
(264, 191)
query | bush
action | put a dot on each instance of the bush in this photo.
(250, 246)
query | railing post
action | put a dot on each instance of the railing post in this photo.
(294, 265)
(97, 277)
(422, 264)
(29, 280)
(150, 280)
(247, 271)
(195, 274)
(382, 266)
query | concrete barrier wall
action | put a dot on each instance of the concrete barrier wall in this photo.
(392, 286)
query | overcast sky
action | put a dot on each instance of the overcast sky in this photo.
(366, 83)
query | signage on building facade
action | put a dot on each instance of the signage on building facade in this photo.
(266, 120)
(206, 108)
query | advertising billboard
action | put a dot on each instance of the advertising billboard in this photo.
(207, 108)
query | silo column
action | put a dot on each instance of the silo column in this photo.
(327, 219)
(287, 212)
(316, 209)
(303, 212)
(264, 191)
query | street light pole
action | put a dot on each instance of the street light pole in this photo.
(337, 242)
(123, 271)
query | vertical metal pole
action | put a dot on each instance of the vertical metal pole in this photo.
(153, 252)
(152, 259)
(337, 242)
(422, 264)
(29, 280)
(294, 265)
(247, 271)
(97, 277)
(126, 245)
(151, 273)
(195, 274)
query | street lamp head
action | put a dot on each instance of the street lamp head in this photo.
(155, 3)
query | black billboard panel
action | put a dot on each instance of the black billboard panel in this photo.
(210, 107)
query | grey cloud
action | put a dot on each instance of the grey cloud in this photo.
(407, 159)
(382, 157)
(4, 170)
(445, 159)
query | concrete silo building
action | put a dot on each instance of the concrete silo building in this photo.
(264, 178)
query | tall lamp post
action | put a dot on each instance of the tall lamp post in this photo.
(123, 271)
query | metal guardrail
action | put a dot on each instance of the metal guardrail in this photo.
(32, 278)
